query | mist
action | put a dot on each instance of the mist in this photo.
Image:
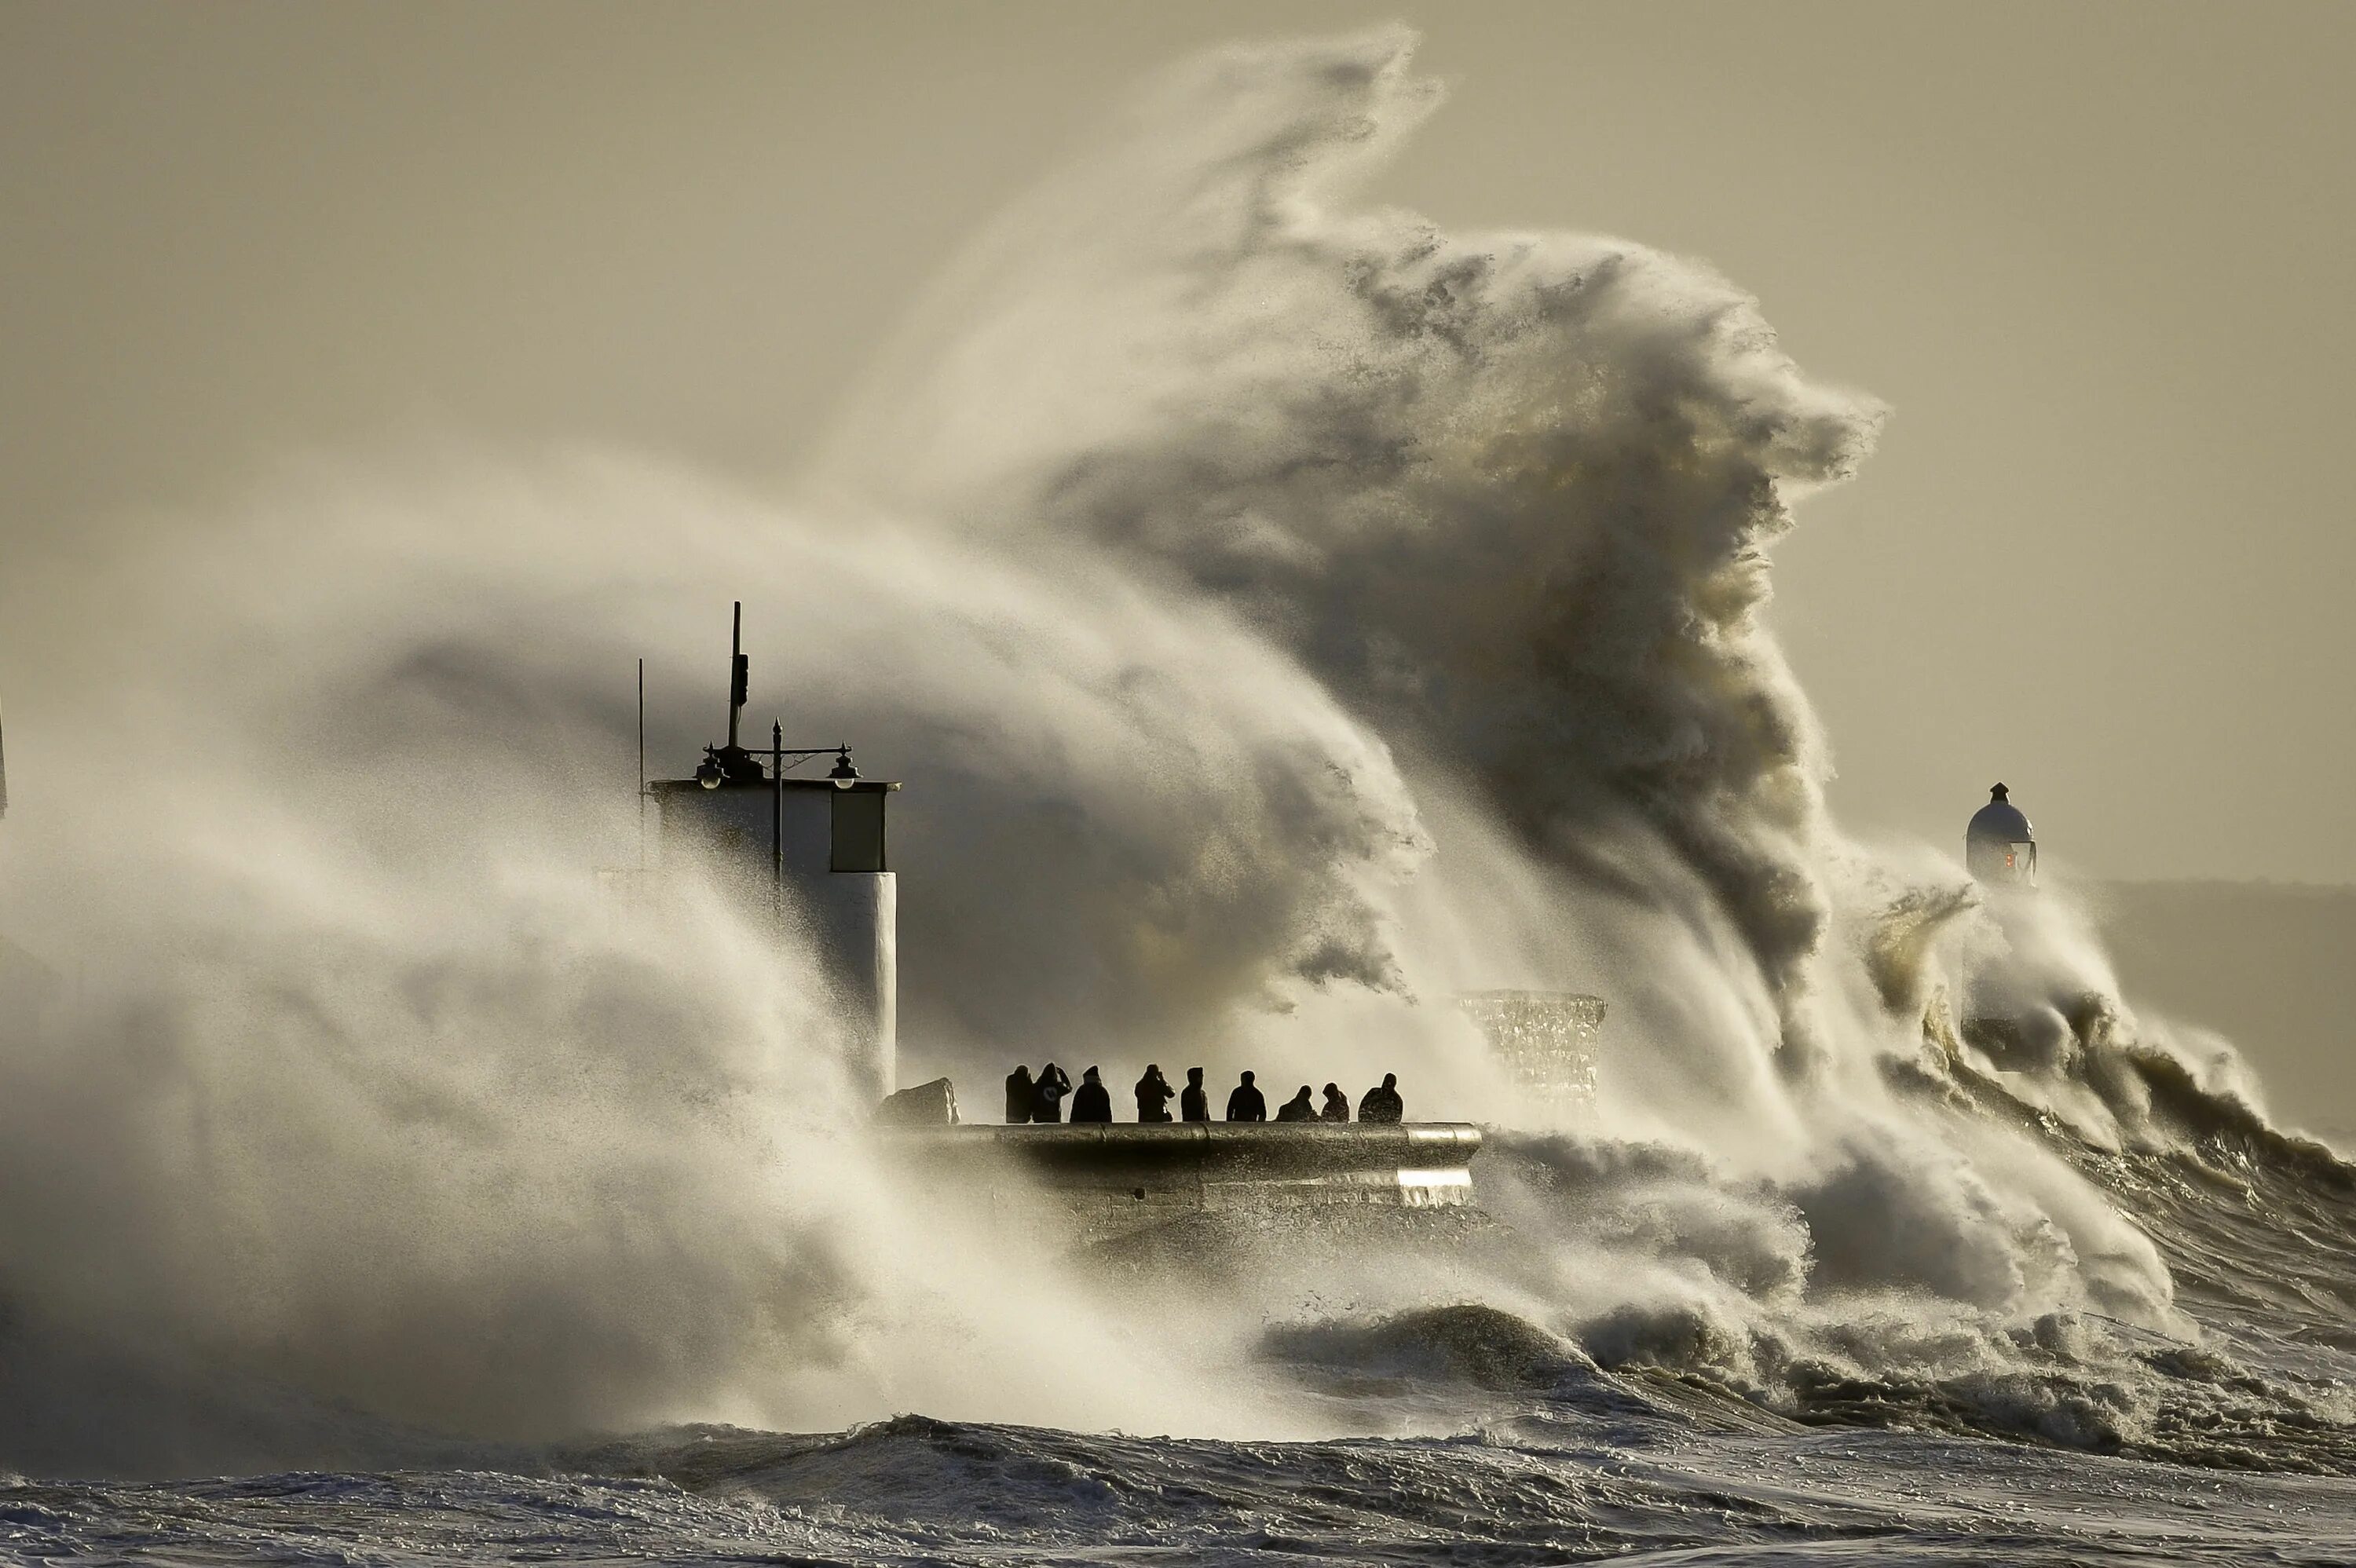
(1285, 617)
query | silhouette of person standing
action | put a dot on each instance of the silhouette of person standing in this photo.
(1047, 1094)
(1020, 1093)
(1153, 1096)
(1298, 1108)
(1091, 1102)
(1337, 1104)
(1247, 1104)
(1193, 1101)
(1383, 1104)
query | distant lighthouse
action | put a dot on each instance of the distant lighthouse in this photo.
(1999, 847)
(816, 847)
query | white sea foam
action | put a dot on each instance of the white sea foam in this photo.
(1286, 615)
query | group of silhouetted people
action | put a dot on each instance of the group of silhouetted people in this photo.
(1041, 1099)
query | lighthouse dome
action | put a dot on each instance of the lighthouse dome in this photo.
(1998, 846)
(2000, 821)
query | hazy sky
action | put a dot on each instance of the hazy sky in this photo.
(2095, 256)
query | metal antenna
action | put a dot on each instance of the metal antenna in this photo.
(740, 669)
(777, 813)
(642, 764)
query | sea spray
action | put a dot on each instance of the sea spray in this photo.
(370, 1095)
(1286, 615)
(1508, 497)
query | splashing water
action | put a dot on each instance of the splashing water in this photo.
(1289, 616)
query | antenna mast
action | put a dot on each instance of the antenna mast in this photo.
(642, 764)
(740, 669)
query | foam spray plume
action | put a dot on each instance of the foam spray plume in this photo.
(1303, 615)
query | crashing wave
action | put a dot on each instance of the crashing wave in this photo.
(1304, 616)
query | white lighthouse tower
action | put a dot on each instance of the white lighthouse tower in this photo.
(814, 848)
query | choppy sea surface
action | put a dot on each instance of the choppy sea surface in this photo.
(1287, 602)
(1571, 1479)
(1532, 1450)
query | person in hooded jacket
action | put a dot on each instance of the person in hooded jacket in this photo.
(1047, 1094)
(1020, 1093)
(1247, 1104)
(1194, 1101)
(1298, 1108)
(1091, 1102)
(1383, 1104)
(1337, 1104)
(1153, 1096)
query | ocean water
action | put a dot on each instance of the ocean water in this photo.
(1288, 617)
(1560, 1484)
(1506, 1443)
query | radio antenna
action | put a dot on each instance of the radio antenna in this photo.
(740, 669)
(642, 764)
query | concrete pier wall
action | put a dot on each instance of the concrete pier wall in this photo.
(1108, 1179)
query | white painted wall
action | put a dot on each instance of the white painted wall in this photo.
(852, 917)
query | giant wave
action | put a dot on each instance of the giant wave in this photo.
(1299, 615)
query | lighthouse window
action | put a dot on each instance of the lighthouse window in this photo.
(858, 830)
